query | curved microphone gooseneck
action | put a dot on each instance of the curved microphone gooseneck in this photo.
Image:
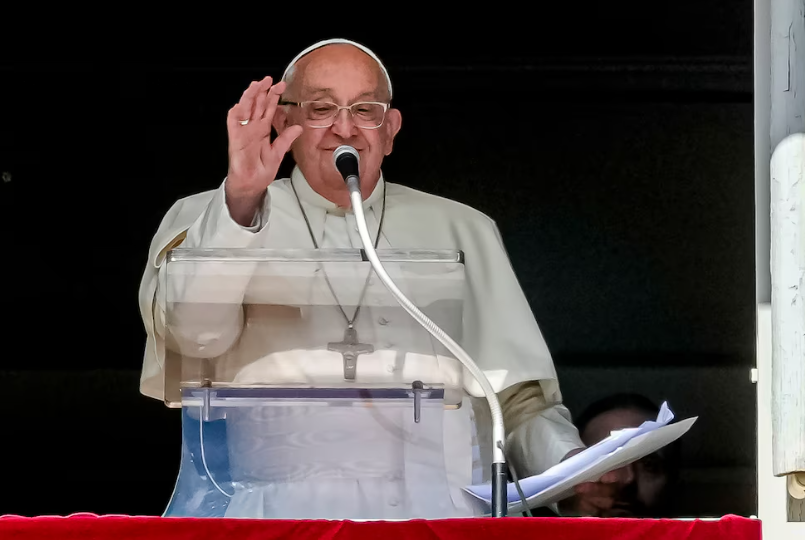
(346, 160)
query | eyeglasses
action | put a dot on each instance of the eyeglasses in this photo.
(368, 115)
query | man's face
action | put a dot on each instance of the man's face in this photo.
(642, 483)
(343, 75)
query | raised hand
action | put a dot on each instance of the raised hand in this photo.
(253, 158)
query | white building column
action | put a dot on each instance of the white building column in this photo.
(780, 250)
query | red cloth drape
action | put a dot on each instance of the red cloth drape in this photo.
(89, 526)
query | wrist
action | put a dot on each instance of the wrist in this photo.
(243, 207)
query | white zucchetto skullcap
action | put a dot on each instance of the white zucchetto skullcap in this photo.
(338, 40)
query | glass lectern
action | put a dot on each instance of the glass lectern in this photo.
(306, 390)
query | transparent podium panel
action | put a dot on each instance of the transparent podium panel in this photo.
(307, 390)
(338, 453)
(308, 318)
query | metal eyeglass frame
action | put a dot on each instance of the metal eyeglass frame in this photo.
(386, 107)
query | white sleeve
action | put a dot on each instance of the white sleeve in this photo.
(540, 431)
(216, 228)
(538, 441)
(210, 319)
(542, 441)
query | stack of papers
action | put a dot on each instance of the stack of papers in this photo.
(616, 451)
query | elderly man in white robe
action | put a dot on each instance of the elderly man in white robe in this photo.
(336, 93)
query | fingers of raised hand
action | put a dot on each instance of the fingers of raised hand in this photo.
(281, 145)
(264, 97)
(251, 105)
(261, 101)
(235, 118)
(272, 99)
(284, 141)
(250, 98)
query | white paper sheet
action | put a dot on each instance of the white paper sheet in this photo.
(616, 451)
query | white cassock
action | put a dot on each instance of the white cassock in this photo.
(499, 333)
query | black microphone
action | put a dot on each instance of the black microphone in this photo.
(346, 160)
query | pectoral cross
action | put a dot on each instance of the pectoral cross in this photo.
(350, 349)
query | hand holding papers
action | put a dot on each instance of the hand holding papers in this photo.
(616, 451)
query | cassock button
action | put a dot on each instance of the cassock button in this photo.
(382, 321)
(394, 502)
(390, 367)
